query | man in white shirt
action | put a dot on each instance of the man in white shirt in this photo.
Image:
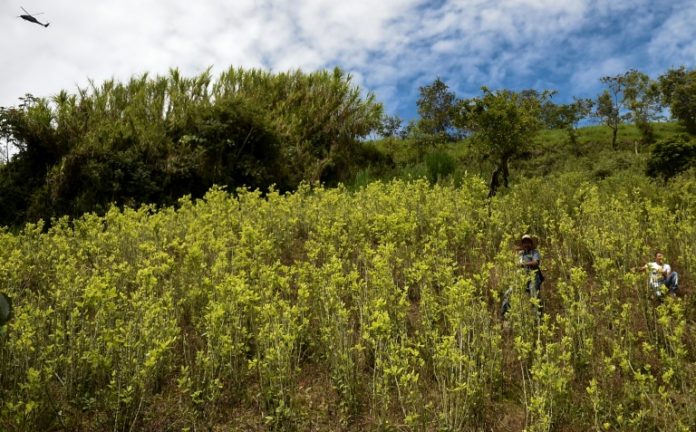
(660, 274)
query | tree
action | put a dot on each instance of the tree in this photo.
(5, 136)
(641, 96)
(390, 126)
(564, 116)
(568, 116)
(669, 81)
(610, 104)
(684, 103)
(320, 117)
(152, 140)
(23, 189)
(549, 110)
(678, 89)
(436, 106)
(239, 147)
(503, 123)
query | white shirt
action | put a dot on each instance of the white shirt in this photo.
(657, 273)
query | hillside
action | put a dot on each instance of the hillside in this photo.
(378, 309)
(550, 154)
(242, 253)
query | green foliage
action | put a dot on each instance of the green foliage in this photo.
(504, 123)
(641, 96)
(436, 106)
(678, 87)
(610, 105)
(367, 310)
(328, 309)
(567, 117)
(22, 179)
(390, 126)
(629, 96)
(466, 357)
(440, 165)
(670, 157)
(153, 140)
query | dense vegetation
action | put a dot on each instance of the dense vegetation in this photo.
(370, 306)
(153, 140)
(328, 309)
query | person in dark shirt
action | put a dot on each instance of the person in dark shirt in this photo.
(529, 259)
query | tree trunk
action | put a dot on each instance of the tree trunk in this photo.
(494, 184)
(614, 131)
(506, 172)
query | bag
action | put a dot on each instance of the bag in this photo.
(5, 309)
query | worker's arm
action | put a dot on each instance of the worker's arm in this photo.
(530, 264)
(641, 268)
(533, 263)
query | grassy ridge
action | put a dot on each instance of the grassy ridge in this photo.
(551, 154)
(377, 309)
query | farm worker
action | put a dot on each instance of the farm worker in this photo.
(661, 274)
(529, 259)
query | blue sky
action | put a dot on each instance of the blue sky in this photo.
(392, 47)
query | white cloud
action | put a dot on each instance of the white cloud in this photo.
(674, 42)
(587, 76)
(392, 46)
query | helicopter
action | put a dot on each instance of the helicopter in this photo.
(29, 17)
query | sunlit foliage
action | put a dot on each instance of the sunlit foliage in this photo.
(378, 309)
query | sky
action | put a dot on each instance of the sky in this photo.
(391, 47)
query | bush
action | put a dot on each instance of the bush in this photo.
(671, 156)
(362, 178)
(440, 165)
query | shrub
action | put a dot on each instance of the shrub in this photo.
(671, 156)
(440, 165)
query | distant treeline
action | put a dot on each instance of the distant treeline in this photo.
(153, 140)
(630, 97)
(501, 124)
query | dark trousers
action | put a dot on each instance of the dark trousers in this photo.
(671, 282)
(533, 287)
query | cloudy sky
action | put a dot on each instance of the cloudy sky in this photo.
(391, 47)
